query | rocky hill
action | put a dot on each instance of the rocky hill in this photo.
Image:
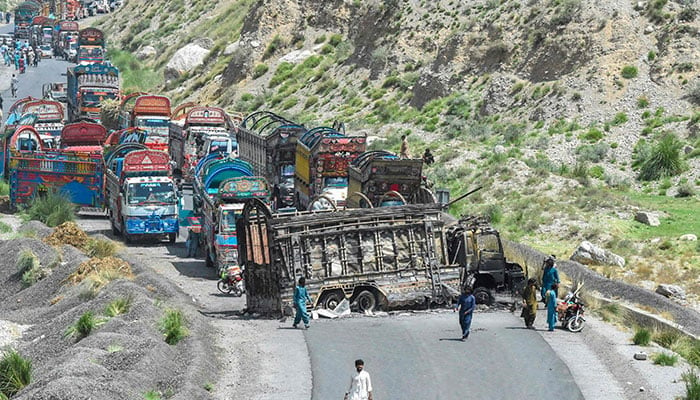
(572, 115)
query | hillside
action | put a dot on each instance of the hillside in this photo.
(572, 115)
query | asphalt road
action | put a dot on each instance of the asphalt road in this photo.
(30, 82)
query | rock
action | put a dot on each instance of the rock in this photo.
(588, 253)
(146, 52)
(647, 218)
(689, 237)
(499, 149)
(640, 356)
(204, 42)
(688, 149)
(185, 60)
(296, 56)
(671, 291)
(640, 6)
(230, 49)
(254, 44)
(641, 388)
(648, 285)
(649, 29)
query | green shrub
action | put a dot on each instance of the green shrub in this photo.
(118, 306)
(259, 70)
(619, 119)
(651, 55)
(667, 338)
(692, 385)
(310, 101)
(327, 49)
(320, 39)
(629, 72)
(662, 160)
(4, 188)
(596, 171)
(642, 337)
(685, 190)
(665, 359)
(101, 248)
(593, 153)
(173, 326)
(335, 39)
(53, 209)
(495, 213)
(152, 395)
(593, 135)
(84, 326)
(30, 267)
(274, 45)
(15, 373)
(642, 102)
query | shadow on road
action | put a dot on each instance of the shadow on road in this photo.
(230, 314)
(194, 269)
(451, 339)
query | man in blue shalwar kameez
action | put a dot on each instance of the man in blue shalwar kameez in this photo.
(301, 296)
(466, 305)
(551, 302)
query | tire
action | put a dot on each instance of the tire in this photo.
(575, 324)
(224, 287)
(171, 238)
(483, 295)
(331, 300)
(366, 301)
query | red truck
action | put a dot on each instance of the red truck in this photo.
(150, 113)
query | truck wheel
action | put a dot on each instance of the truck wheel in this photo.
(331, 300)
(366, 301)
(172, 237)
(483, 295)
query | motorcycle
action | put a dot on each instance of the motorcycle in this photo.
(231, 282)
(571, 311)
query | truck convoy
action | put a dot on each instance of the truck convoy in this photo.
(321, 170)
(88, 86)
(221, 186)
(269, 142)
(66, 40)
(24, 15)
(140, 195)
(385, 257)
(188, 135)
(150, 113)
(91, 46)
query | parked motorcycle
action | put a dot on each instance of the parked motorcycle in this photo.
(231, 282)
(571, 311)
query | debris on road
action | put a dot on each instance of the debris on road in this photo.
(68, 233)
(101, 271)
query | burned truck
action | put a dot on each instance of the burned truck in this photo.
(385, 257)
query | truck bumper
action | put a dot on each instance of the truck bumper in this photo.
(152, 227)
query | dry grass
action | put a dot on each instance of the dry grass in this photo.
(68, 233)
(101, 271)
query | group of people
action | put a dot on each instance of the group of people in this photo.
(428, 157)
(549, 293)
(21, 56)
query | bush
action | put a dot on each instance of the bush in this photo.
(692, 385)
(642, 337)
(118, 306)
(101, 248)
(53, 209)
(335, 39)
(15, 373)
(310, 101)
(596, 171)
(694, 93)
(593, 153)
(274, 45)
(30, 267)
(173, 326)
(494, 212)
(84, 326)
(662, 160)
(685, 190)
(4, 188)
(593, 135)
(665, 359)
(260, 70)
(642, 102)
(619, 119)
(629, 72)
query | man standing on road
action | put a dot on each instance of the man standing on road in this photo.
(13, 85)
(360, 384)
(550, 276)
(300, 298)
(530, 303)
(551, 301)
(466, 305)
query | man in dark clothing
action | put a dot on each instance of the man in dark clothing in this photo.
(466, 305)
(530, 303)
(428, 157)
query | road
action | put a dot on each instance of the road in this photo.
(415, 356)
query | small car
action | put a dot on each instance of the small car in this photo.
(46, 51)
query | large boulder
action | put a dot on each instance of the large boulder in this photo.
(671, 291)
(647, 218)
(588, 253)
(184, 60)
(688, 237)
(146, 52)
(296, 56)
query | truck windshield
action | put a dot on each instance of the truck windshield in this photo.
(94, 53)
(488, 242)
(228, 221)
(218, 146)
(337, 181)
(95, 98)
(151, 193)
(288, 170)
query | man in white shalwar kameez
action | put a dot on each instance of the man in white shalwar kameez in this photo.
(360, 384)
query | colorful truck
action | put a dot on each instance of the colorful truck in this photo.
(150, 113)
(91, 46)
(221, 186)
(88, 86)
(381, 178)
(49, 116)
(188, 135)
(140, 196)
(33, 170)
(24, 15)
(321, 169)
(268, 142)
(65, 36)
(74, 10)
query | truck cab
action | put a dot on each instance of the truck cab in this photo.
(157, 128)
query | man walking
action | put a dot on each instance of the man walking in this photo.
(530, 303)
(466, 305)
(360, 384)
(13, 85)
(301, 296)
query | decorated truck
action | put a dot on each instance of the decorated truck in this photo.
(74, 10)
(88, 86)
(189, 134)
(24, 15)
(76, 171)
(321, 169)
(91, 46)
(221, 186)
(140, 195)
(64, 37)
(380, 178)
(49, 114)
(384, 257)
(150, 113)
(268, 142)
